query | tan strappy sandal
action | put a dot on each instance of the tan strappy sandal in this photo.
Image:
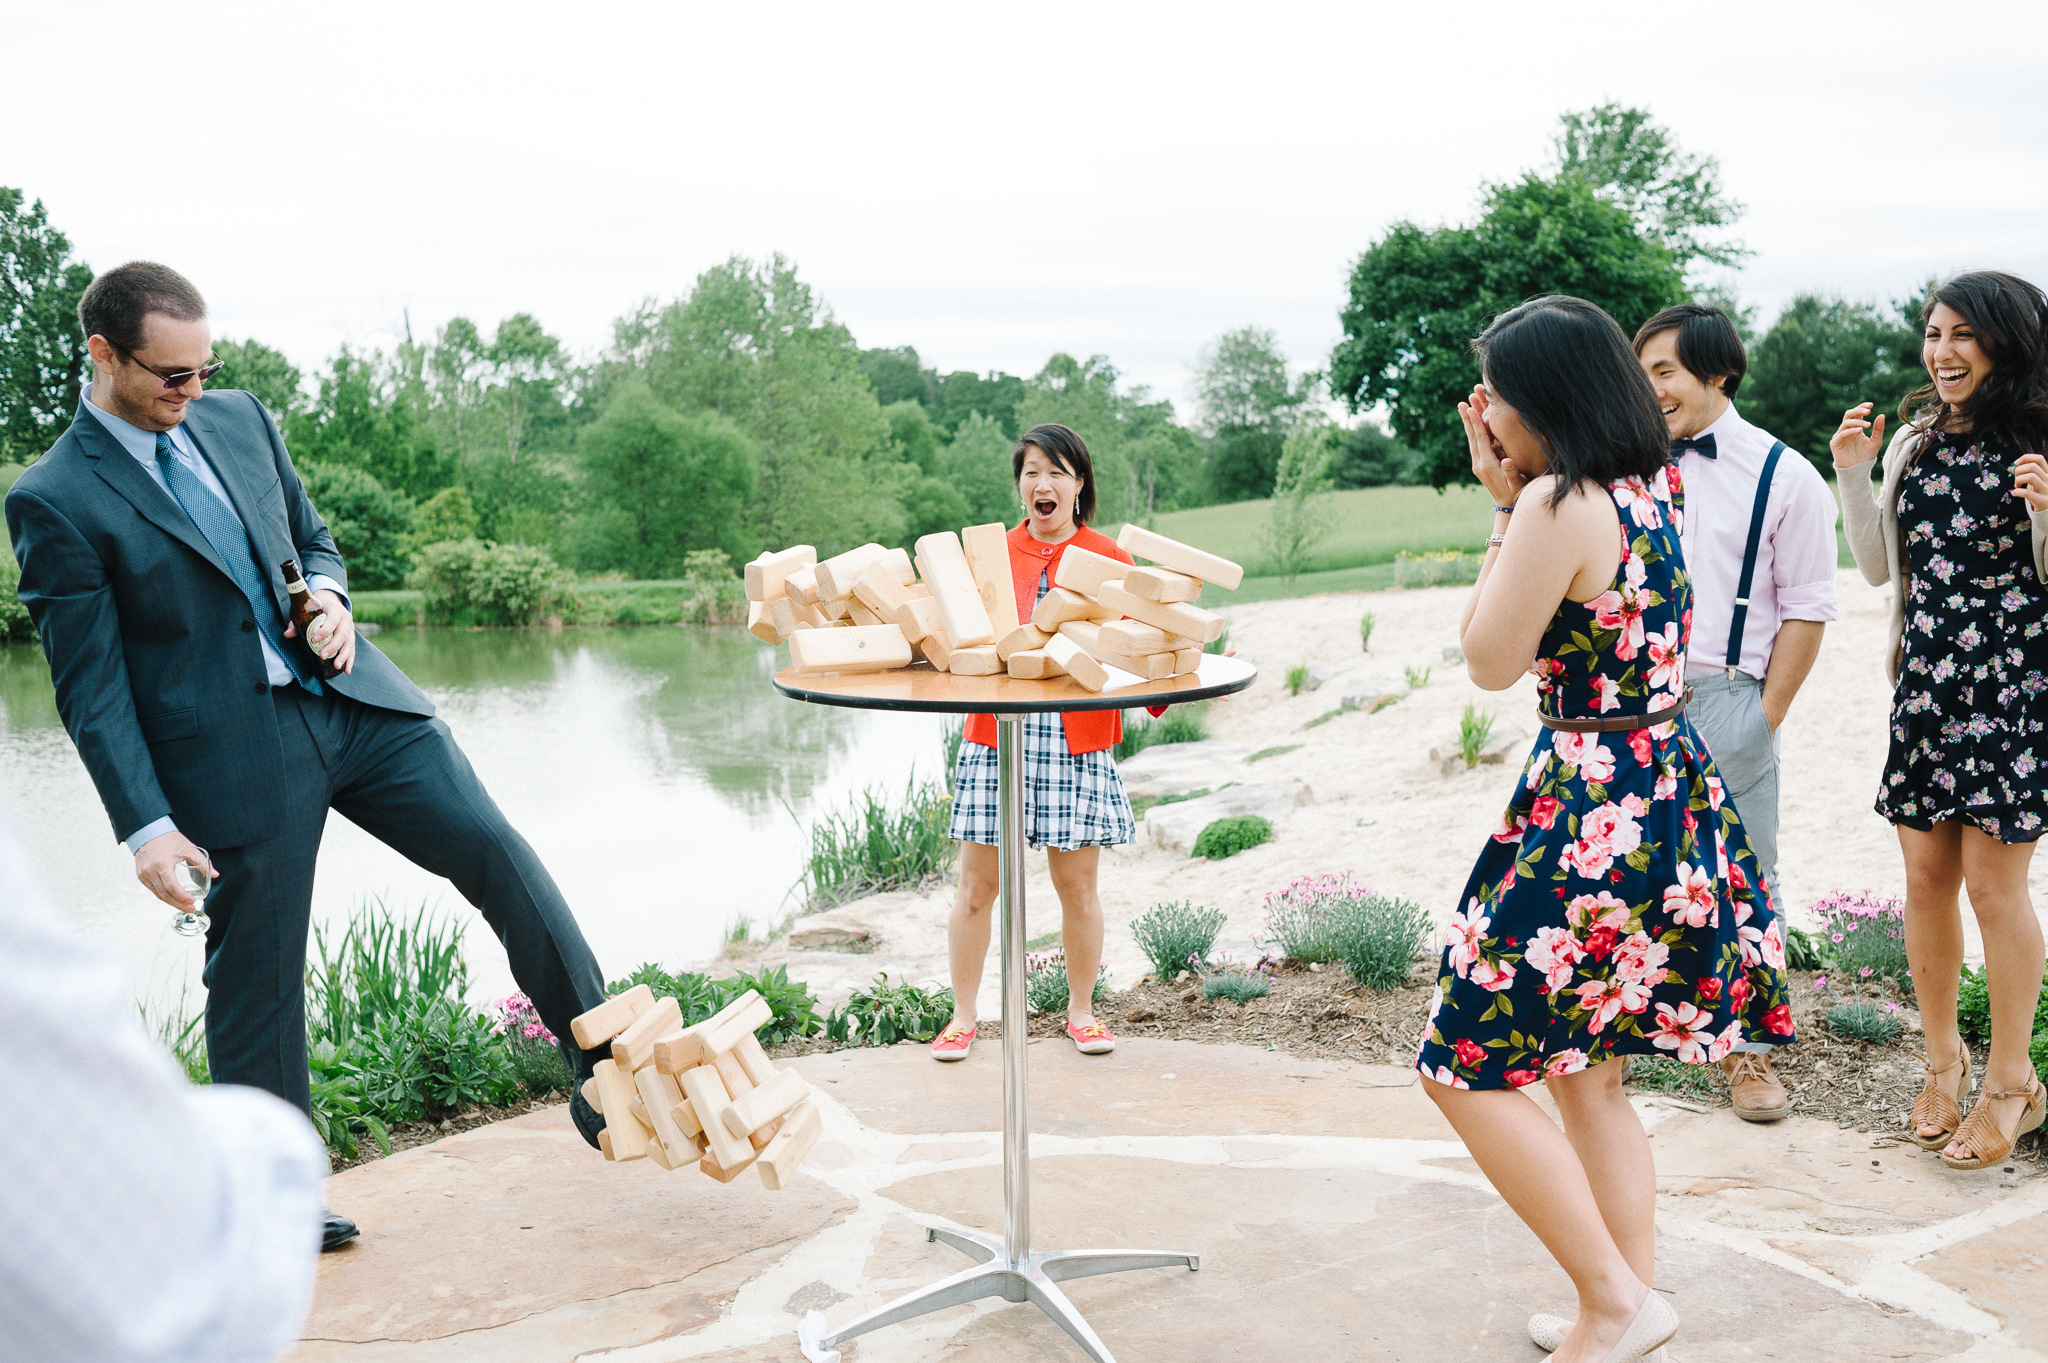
(1980, 1128)
(1936, 1108)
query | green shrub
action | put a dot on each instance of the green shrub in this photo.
(1228, 836)
(1177, 937)
(1181, 724)
(1045, 982)
(537, 1058)
(182, 1032)
(1863, 1020)
(1443, 568)
(1297, 677)
(883, 1014)
(1378, 937)
(371, 524)
(15, 626)
(877, 846)
(433, 1055)
(380, 965)
(1300, 919)
(1240, 987)
(792, 1008)
(1863, 935)
(476, 582)
(445, 516)
(339, 1111)
(1802, 951)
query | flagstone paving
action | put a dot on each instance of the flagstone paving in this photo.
(1335, 1214)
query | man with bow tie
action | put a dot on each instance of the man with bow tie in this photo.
(1759, 541)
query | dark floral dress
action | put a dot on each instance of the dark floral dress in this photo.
(1967, 716)
(1614, 912)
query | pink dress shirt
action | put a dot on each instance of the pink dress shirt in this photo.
(1795, 563)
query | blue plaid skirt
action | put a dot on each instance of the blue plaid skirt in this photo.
(1069, 802)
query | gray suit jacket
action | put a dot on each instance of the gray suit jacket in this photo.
(159, 673)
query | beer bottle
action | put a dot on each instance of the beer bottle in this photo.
(305, 610)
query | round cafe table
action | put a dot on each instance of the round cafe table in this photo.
(1008, 1267)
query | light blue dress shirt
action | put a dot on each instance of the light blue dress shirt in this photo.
(142, 444)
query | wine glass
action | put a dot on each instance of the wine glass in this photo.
(193, 880)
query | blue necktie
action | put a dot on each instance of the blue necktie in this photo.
(230, 539)
(1704, 444)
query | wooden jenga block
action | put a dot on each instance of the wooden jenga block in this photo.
(604, 1145)
(592, 1096)
(611, 1017)
(897, 563)
(639, 1111)
(800, 1131)
(634, 1047)
(733, 1075)
(920, 591)
(766, 574)
(857, 611)
(716, 1035)
(978, 661)
(1019, 639)
(1034, 664)
(860, 648)
(1074, 660)
(789, 615)
(1059, 605)
(1139, 542)
(659, 1094)
(836, 575)
(802, 586)
(657, 1153)
(1084, 571)
(750, 1112)
(1187, 660)
(754, 1060)
(685, 1118)
(1090, 636)
(709, 1099)
(937, 649)
(880, 592)
(918, 618)
(944, 566)
(629, 1138)
(1162, 584)
(1174, 618)
(723, 1172)
(834, 611)
(761, 625)
(1137, 638)
(987, 548)
(759, 1140)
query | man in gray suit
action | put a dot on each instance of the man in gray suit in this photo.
(150, 538)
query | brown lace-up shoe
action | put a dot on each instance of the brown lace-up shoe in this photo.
(1755, 1091)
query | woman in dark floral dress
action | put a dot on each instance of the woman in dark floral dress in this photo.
(1615, 911)
(1960, 528)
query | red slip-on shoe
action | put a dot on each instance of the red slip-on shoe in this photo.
(953, 1043)
(1094, 1039)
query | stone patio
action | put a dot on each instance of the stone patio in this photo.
(1336, 1216)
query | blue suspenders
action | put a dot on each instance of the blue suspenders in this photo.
(1756, 537)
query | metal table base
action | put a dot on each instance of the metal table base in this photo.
(1007, 1267)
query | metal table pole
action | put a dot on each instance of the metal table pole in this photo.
(1007, 1268)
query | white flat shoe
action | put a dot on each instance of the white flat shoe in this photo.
(1654, 1325)
(1547, 1332)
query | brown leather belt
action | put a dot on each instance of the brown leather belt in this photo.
(1618, 723)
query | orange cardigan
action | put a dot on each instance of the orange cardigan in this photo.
(1087, 730)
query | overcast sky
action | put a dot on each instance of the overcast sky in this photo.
(987, 183)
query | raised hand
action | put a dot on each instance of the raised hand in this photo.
(2030, 481)
(1858, 441)
(1489, 461)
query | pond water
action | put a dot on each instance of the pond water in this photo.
(662, 779)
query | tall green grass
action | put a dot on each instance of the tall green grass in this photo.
(877, 844)
(1181, 724)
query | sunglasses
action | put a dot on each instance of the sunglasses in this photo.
(180, 377)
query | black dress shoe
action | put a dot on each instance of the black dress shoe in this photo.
(336, 1232)
(587, 1118)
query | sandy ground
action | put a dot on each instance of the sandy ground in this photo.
(1383, 811)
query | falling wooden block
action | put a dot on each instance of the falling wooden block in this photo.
(800, 1131)
(1174, 618)
(944, 566)
(1076, 662)
(897, 563)
(802, 586)
(685, 1118)
(978, 661)
(657, 1153)
(1187, 660)
(604, 1145)
(1084, 570)
(716, 1035)
(1139, 542)
(723, 1172)
(634, 1047)
(592, 1096)
(1019, 639)
(659, 1094)
(834, 611)
(987, 548)
(789, 615)
(1137, 638)
(1090, 636)
(629, 1138)
(754, 1060)
(639, 1111)
(918, 618)
(1034, 664)
(733, 1075)
(1162, 584)
(937, 649)
(920, 591)
(709, 1099)
(751, 1112)
(761, 625)
(611, 1017)
(1059, 605)
(857, 611)
(759, 1140)
(859, 648)
(766, 574)
(880, 592)
(836, 575)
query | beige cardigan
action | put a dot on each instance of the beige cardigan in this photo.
(1872, 524)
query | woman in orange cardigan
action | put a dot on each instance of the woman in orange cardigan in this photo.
(1074, 801)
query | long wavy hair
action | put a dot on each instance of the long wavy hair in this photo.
(1568, 369)
(2010, 317)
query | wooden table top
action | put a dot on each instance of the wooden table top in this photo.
(919, 687)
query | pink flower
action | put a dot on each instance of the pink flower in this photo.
(1608, 999)
(1564, 1062)
(1510, 827)
(1714, 793)
(1779, 1020)
(1667, 658)
(1738, 993)
(1710, 987)
(1752, 943)
(1492, 977)
(1639, 744)
(1682, 1029)
(1635, 804)
(1666, 787)
(1469, 1052)
(1522, 1078)
(1639, 502)
(1544, 812)
(1465, 935)
(1731, 1036)
(1774, 946)
(1585, 751)
(1444, 1076)
(1608, 833)
(1609, 691)
(1640, 959)
(1597, 910)
(1619, 609)
(1554, 952)
(1692, 901)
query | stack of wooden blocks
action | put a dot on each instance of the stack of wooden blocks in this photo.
(867, 610)
(705, 1095)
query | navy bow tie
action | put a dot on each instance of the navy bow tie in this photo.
(1703, 443)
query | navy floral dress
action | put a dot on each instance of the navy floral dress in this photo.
(1615, 910)
(1967, 716)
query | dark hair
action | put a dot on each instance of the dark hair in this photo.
(115, 303)
(1709, 346)
(1070, 452)
(2010, 317)
(1566, 368)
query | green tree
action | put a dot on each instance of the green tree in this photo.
(1247, 402)
(898, 376)
(995, 395)
(255, 368)
(447, 515)
(370, 523)
(977, 463)
(1419, 295)
(360, 419)
(1143, 461)
(1366, 456)
(1820, 358)
(1299, 519)
(672, 484)
(43, 363)
(1673, 197)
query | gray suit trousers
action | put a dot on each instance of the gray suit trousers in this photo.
(401, 778)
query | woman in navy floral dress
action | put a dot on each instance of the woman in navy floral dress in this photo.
(1615, 911)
